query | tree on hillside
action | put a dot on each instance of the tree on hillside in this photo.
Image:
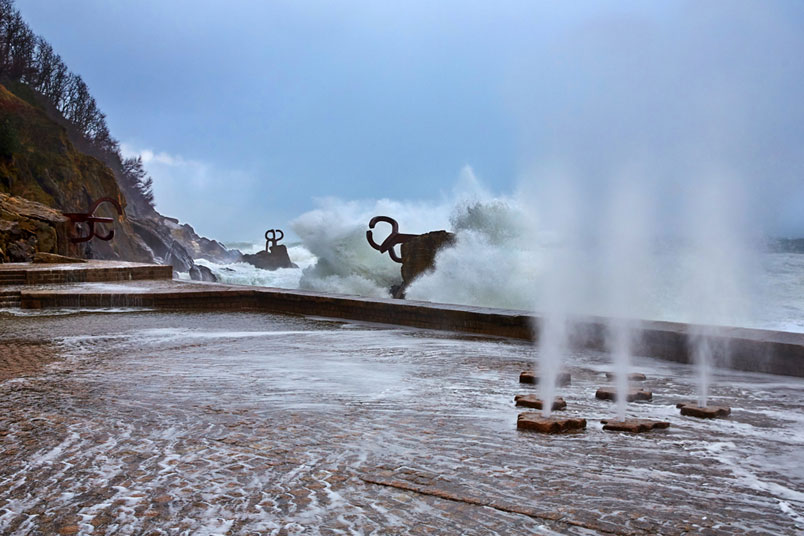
(28, 58)
(138, 178)
(17, 43)
(9, 140)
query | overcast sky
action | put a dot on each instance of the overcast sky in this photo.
(247, 110)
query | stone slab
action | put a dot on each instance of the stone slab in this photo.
(533, 401)
(563, 378)
(610, 393)
(91, 271)
(709, 412)
(634, 426)
(633, 377)
(548, 425)
(52, 258)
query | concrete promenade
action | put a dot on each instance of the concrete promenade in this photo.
(157, 406)
(750, 350)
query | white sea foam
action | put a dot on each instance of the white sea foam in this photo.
(243, 273)
(506, 244)
(71, 311)
(336, 234)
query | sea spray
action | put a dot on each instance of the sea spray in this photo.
(495, 261)
(701, 349)
(718, 266)
(552, 347)
(242, 273)
(336, 234)
(505, 244)
(620, 348)
(488, 229)
(560, 284)
(625, 245)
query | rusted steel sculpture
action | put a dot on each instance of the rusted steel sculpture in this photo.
(273, 240)
(393, 239)
(90, 219)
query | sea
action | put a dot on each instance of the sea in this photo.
(504, 259)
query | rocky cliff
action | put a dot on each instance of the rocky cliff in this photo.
(27, 227)
(43, 161)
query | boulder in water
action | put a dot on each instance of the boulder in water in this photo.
(271, 260)
(202, 273)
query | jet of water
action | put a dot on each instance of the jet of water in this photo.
(552, 347)
(620, 347)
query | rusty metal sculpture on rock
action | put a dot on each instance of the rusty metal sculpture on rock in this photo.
(90, 219)
(419, 250)
(273, 240)
(392, 240)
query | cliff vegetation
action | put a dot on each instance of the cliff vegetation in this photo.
(56, 151)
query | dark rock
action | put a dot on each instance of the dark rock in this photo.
(635, 426)
(277, 258)
(709, 412)
(21, 250)
(398, 291)
(548, 425)
(634, 376)
(59, 168)
(532, 401)
(164, 249)
(609, 393)
(202, 273)
(197, 246)
(563, 378)
(28, 227)
(9, 226)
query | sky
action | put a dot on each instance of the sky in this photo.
(247, 111)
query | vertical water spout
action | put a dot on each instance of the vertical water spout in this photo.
(620, 347)
(552, 346)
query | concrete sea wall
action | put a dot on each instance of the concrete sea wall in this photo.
(743, 349)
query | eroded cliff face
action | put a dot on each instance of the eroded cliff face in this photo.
(28, 227)
(40, 162)
(42, 165)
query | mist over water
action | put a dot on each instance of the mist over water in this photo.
(336, 234)
(552, 249)
(612, 252)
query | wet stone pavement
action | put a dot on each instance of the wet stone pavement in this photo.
(238, 423)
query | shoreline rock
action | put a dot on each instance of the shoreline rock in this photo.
(274, 259)
(28, 228)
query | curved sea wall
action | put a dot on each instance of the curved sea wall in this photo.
(752, 350)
